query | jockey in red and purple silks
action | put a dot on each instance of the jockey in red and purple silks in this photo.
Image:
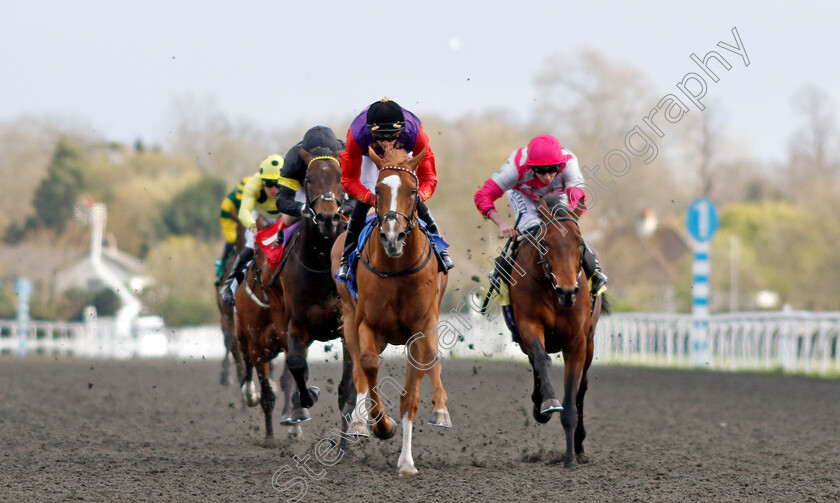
(383, 124)
(541, 168)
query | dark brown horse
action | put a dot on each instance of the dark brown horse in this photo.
(551, 308)
(399, 294)
(311, 302)
(226, 318)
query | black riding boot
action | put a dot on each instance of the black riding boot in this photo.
(426, 215)
(354, 227)
(593, 271)
(221, 262)
(237, 272)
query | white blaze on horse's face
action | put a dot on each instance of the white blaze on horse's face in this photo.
(393, 182)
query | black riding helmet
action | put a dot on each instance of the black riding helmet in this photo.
(385, 119)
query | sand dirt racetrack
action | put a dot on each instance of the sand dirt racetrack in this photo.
(78, 430)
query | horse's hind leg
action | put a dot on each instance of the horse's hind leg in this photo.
(383, 426)
(346, 392)
(224, 377)
(580, 431)
(569, 417)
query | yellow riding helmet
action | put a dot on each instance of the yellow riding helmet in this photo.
(270, 167)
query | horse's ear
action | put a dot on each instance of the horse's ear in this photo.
(416, 160)
(306, 156)
(375, 158)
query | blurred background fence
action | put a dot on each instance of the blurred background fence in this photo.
(796, 342)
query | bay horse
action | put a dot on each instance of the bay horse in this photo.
(399, 294)
(259, 310)
(226, 319)
(311, 301)
(553, 312)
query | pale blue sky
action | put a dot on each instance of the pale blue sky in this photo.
(117, 65)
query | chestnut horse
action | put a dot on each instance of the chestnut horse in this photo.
(311, 301)
(259, 309)
(552, 311)
(399, 294)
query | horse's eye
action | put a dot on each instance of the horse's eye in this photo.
(307, 180)
(544, 243)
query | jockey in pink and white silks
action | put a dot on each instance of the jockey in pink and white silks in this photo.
(541, 168)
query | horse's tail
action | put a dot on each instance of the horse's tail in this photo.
(606, 305)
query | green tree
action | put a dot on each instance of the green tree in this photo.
(195, 209)
(55, 198)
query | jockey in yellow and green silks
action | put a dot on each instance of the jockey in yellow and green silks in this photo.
(229, 218)
(258, 200)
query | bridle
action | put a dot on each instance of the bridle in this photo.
(327, 197)
(410, 220)
(543, 261)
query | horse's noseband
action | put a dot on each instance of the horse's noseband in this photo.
(410, 221)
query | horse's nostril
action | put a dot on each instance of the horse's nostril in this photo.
(336, 218)
(319, 218)
(577, 289)
(401, 236)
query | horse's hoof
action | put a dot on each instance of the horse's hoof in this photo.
(388, 434)
(250, 394)
(306, 402)
(408, 470)
(358, 430)
(300, 415)
(287, 420)
(224, 380)
(550, 406)
(540, 418)
(294, 433)
(582, 458)
(440, 418)
(572, 465)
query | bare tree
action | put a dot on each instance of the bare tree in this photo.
(814, 146)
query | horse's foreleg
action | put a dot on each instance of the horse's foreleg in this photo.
(580, 431)
(545, 403)
(569, 417)
(296, 360)
(267, 396)
(383, 426)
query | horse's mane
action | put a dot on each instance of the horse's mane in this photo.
(556, 206)
(322, 151)
(395, 156)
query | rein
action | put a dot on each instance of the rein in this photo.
(412, 269)
(257, 281)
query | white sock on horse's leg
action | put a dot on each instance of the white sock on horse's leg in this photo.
(361, 413)
(406, 462)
